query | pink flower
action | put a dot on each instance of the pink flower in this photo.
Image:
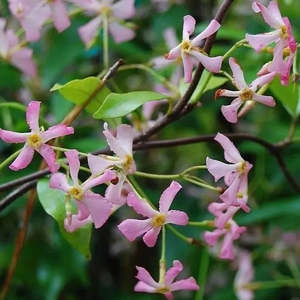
(35, 140)
(148, 285)
(132, 228)
(245, 93)
(90, 205)
(12, 51)
(282, 26)
(244, 276)
(191, 48)
(116, 12)
(121, 145)
(235, 174)
(32, 15)
(231, 232)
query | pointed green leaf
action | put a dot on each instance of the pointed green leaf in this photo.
(213, 83)
(79, 90)
(119, 105)
(53, 201)
(288, 95)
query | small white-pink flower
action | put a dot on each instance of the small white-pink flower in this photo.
(35, 140)
(133, 228)
(189, 49)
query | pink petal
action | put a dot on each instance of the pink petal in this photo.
(151, 236)
(74, 165)
(188, 27)
(218, 169)
(98, 207)
(168, 196)
(174, 53)
(132, 228)
(59, 15)
(159, 62)
(140, 206)
(262, 80)
(32, 116)
(169, 296)
(143, 287)
(216, 208)
(49, 156)
(230, 111)
(107, 176)
(89, 31)
(212, 27)
(227, 248)
(221, 220)
(124, 9)
(211, 237)
(13, 137)
(22, 59)
(59, 181)
(144, 276)
(23, 159)
(230, 195)
(83, 211)
(189, 284)
(277, 64)
(212, 64)
(232, 154)
(114, 192)
(236, 230)
(285, 75)
(125, 136)
(75, 223)
(271, 15)
(177, 217)
(120, 33)
(291, 39)
(98, 164)
(188, 67)
(172, 273)
(266, 100)
(56, 131)
(238, 74)
(259, 41)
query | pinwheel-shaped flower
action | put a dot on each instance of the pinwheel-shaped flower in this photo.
(282, 26)
(35, 140)
(121, 145)
(231, 232)
(89, 204)
(115, 12)
(245, 92)
(12, 51)
(148, 285)
(235, 174)
(132, 228)
(192, 48)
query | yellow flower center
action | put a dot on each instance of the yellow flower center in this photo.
(284, 32)
(34, 140)
(242, 168)
(128, 162)
(76, 193)
(185, 46)
(163, 290)
(20, 8)
(105, 10)
(158, 220)
(246, 94)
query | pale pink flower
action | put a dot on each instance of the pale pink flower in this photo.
(89, 204)
(166, 286)
(244, 276)
(35, 140)
(132, 228)
(191, 48)
(116, 12)
(231, 232)
(12, 51)
(235, 174)
(121, 145)
(32, 14)
(282, 26)
(245, 92)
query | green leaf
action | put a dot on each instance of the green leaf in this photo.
(213, 83)
(79, 90)
(119, 105)
(53, 201)
(288, 95)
